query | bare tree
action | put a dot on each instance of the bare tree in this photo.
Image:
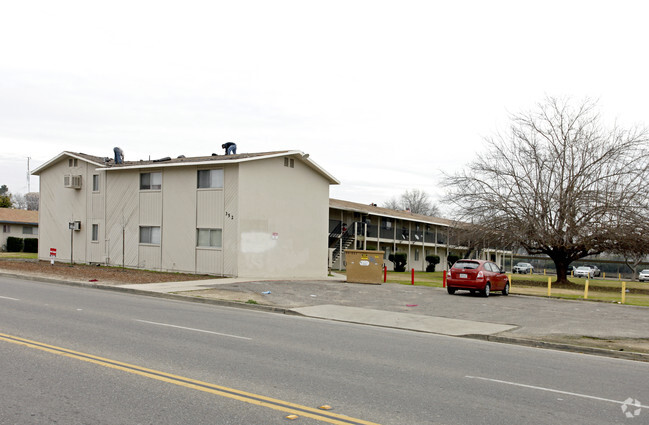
(558, 183)
(32, 199)
(416, 201)
(393, 204)
(19, 201)
(631, 243)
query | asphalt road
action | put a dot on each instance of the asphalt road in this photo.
(82, 356)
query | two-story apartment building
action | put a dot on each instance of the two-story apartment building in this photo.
(359, 226)
(249, 215)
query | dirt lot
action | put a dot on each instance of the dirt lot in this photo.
(86, 273)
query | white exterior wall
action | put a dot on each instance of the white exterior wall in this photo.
(178, 220)
(122, 192)
(283, 219)
(59, 206)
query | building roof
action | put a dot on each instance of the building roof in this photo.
(108, 164)
(15, 216)
(386, 212)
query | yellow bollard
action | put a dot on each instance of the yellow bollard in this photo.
(510, 281)
(619, 276)
(549, 286)
(586, 290)
(603, 275)
(543, 272)
(623, 292)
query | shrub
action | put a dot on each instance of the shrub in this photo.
(432, 261)
(399, 259)
(14, 244)
(452, 259)
(31, 245)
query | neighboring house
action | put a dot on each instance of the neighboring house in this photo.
(18, 224)
(248, 215)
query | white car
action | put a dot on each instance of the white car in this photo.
(644, 275)
(584, 271)
(523, 268)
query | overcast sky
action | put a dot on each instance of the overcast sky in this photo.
(383, 95)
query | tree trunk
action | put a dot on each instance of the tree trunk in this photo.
(561, 265)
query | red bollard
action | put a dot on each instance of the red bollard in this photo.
(385, 274)
(413, 276)
(444, 280)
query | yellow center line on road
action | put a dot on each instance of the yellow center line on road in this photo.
(219, 390)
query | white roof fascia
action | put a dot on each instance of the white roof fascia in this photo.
(37, 170)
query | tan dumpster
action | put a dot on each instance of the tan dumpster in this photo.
(364, 266)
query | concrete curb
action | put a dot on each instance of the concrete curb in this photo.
(164, 295)
(627, 355)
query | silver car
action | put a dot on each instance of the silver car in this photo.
(644, 275)
(584, 271)
(523, 268)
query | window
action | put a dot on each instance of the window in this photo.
(95, 182)
(151, 181)
(150, 234)
(6, 228)
(289, 162)
(72, 162)
(416, 255)
(210, 179)
(28, 230)
(95, 232)
(212, 238)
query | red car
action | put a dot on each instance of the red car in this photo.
(477, 275)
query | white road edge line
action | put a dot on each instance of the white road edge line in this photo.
(192, 329)
(552, 390)
(9, 298)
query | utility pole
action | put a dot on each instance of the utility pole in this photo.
(28, 176)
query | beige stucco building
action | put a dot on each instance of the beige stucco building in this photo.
(247, 215)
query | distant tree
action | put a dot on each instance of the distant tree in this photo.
(558, 183)
(5, 201)
(32, 199)
(5, 197)
(631, 243)
(18, 201)
(416, 201)
(393, 204)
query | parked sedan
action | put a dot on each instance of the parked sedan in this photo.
(476, 276)
(644, 275)
(595, 269)
(523, 268)
(584, 271)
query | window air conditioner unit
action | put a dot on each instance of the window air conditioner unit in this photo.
(71, 181)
